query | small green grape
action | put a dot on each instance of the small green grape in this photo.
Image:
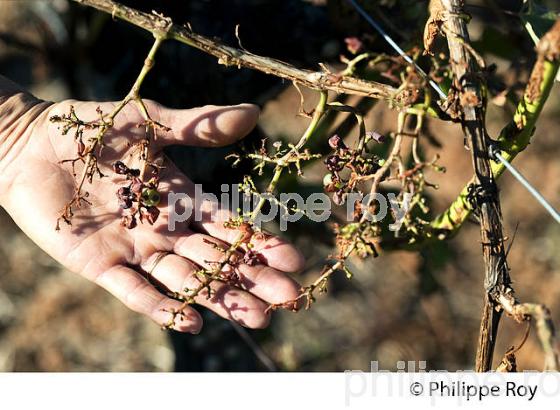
(327, 179)
(150, 197)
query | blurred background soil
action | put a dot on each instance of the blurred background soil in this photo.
(401, 306)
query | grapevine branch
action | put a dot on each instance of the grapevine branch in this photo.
(362, 237)
(230, 56)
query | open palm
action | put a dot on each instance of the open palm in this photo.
(116, 258)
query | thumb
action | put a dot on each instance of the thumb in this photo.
(208, 126)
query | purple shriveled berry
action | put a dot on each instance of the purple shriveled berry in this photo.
(335, 142)
(123, 192)
(120, 168)
(125, 197)
(338, 198)
(129, 221)
(81, 148)
(251, 258)
(136, 186)
(151, 214)
(133, 172)
(353, 44)
(334, 163)
(377, 137)
(330, 188)
(125, 203)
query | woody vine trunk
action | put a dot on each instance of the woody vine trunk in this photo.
(468, 86)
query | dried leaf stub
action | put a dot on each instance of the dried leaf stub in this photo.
(508, 363)
(433, 25)
(469, 98)
(549, 46)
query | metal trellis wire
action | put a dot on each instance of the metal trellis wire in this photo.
(494, 153)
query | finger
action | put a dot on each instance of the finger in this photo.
(177, 273)
(263, 281)
(275, 252)
(208, 126)
(209, 218)
(140, 296)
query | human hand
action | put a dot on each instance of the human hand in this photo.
(35, 187)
